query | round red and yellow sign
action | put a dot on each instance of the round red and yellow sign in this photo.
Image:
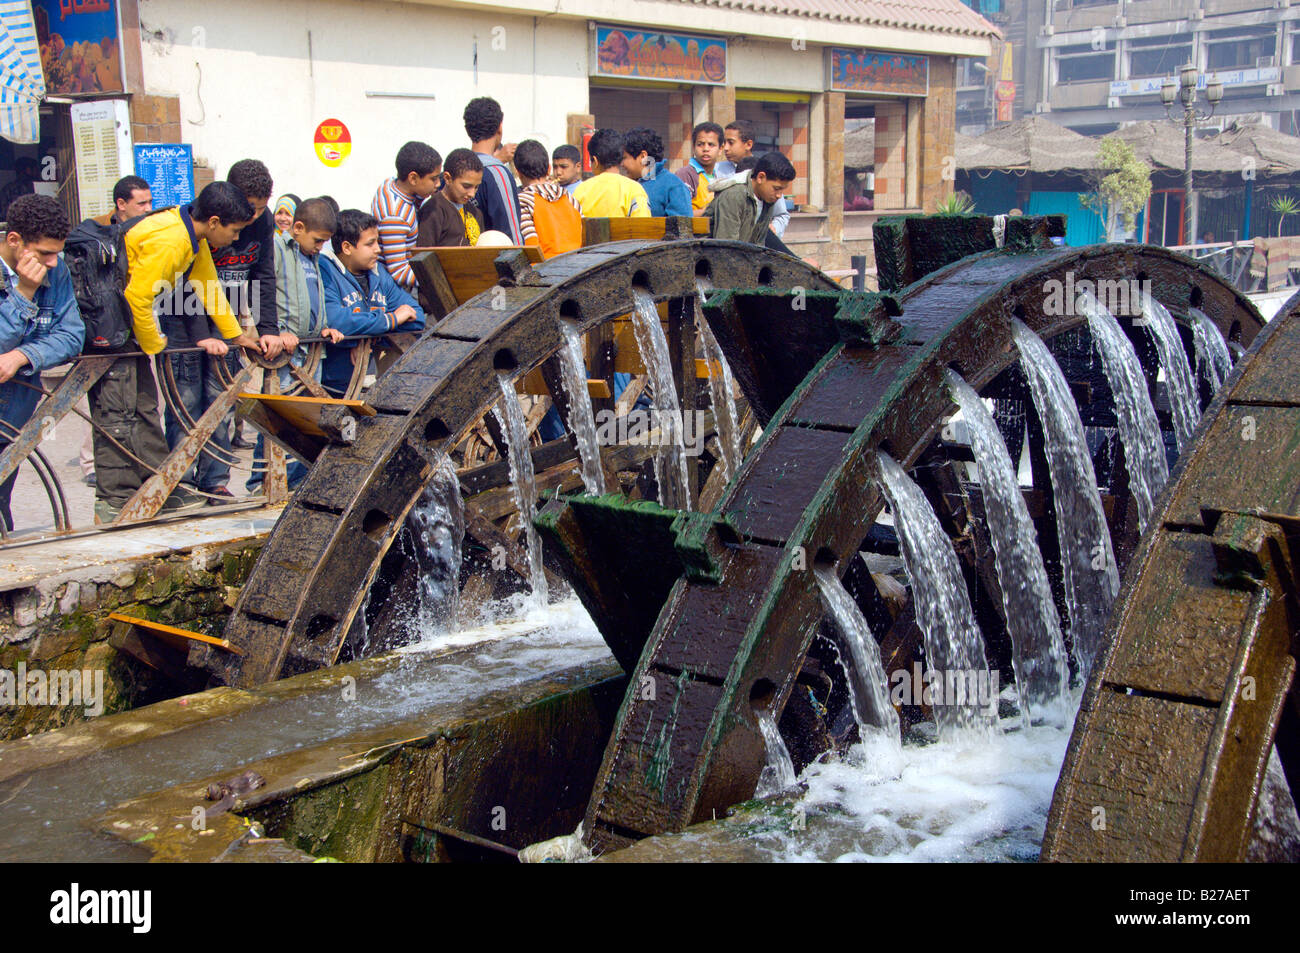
(333, 142)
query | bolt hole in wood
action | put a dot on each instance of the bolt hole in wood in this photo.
(375, 523)
(435, 430)
(762, 695)
(320, 625)
(504, 360)
(826, 560)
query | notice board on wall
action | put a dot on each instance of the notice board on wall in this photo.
(169, 169)
(101, 140)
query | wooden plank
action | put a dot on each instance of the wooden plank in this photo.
(161, 656)
(303, 413)
(1133, 770)
(471, 271)
(163, 630)
(436, 296)
(596, 231)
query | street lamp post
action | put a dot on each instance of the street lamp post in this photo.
(1185, 90)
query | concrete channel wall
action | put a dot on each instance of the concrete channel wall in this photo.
(55, 598)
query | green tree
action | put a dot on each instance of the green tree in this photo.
(1121, 186)
(1283, 205)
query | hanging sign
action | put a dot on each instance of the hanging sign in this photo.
(882, 74)
(629, 53)
(333, 142)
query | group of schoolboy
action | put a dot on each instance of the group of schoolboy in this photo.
(265, 280)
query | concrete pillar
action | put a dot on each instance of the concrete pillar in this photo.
(818, 174)
(722, 104)
(912, 153)
(832, 166)
(938, 132)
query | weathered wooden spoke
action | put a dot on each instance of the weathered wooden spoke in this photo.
(316, 568)
(850, 376)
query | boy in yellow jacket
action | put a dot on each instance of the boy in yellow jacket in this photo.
(166, 252)
(172, 250)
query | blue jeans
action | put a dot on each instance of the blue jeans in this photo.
(198, 385)
(16, 405)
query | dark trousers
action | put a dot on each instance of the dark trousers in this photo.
(125, 403)
(198, 385)
(16, 406)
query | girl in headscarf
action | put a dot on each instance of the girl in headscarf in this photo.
(285, 206)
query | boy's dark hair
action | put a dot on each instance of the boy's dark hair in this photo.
(351, 223)
(334, 203)
(712, 127)
(252, 177)
(222, 201)
(531, 161)
(775, 166)
(747, 163)
(567, 151)
(606, 145)
(127, 186)
(483, 117)
(316, 215)
(418, 157)
(460, 161)
(744, 129)
(36, 216)
(643, 140)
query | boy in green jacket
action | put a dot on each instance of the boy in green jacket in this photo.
(743, 205)
(300, 301)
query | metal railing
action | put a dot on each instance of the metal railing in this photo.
(255, 375)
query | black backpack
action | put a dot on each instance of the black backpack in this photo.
(96, 258)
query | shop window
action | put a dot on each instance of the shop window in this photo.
(859, 157)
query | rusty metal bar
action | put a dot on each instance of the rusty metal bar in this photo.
(52, 409)
(148, 500)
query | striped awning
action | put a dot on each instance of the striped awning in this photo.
(22, 83)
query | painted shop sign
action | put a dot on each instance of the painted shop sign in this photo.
(881, 74)
(672, 57)
(79, 45)
(1232, 77)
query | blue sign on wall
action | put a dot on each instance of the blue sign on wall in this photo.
(169, 170)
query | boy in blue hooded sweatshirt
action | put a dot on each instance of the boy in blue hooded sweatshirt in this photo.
(360, 297)
(644, 162)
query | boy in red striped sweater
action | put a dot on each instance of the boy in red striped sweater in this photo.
(397, 204)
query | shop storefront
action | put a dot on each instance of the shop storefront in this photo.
(885, 95)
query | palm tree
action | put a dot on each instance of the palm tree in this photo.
(1284, 205)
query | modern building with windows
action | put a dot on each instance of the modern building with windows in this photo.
(1096, 64)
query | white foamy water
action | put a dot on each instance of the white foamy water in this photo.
(945, 801)
(523, 485)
